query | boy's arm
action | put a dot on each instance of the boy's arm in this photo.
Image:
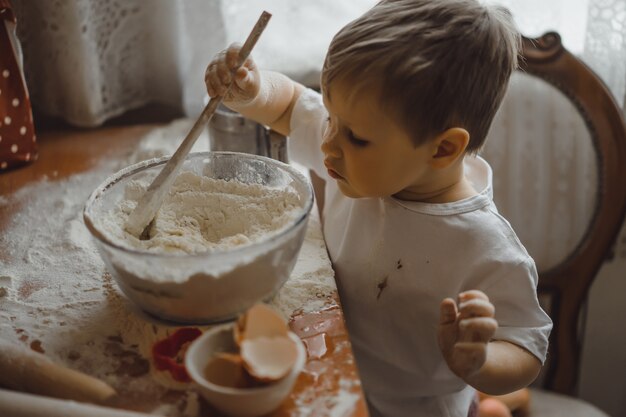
(266, 97)
(507, 368)
(274, 103)
(491, 366)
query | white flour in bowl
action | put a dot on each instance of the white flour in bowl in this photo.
(203, 214)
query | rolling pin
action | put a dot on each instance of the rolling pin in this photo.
(22, 369)
(17, 404)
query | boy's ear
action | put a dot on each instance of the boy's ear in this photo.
(449, 146)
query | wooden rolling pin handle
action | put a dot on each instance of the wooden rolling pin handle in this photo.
(21, 369)
(16, 404)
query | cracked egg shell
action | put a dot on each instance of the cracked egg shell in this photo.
(259, 321)
(269, 359)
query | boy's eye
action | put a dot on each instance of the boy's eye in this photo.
(357, 141)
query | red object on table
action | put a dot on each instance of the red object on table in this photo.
(167, 353)
(17, 132)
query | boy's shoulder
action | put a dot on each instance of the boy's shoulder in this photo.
(495, 238)
(472, 226)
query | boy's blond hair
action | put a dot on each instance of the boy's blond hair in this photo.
(436, 63)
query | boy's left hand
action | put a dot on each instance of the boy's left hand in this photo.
(465, 330)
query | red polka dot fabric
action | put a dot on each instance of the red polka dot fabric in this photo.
(17, 134)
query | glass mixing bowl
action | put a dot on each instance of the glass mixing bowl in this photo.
(203, 287)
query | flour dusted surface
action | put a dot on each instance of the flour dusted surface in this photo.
(56, 297)
(203, 214)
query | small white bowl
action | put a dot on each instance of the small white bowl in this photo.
(237, 402)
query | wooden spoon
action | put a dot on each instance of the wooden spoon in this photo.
(140, 220)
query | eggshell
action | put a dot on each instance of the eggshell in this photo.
(268, 358)
(260, 321)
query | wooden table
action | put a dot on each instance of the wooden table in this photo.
(63, 154)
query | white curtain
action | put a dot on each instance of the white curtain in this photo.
(87, 61)
(595, 30)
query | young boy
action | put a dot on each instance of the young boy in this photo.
(438, 293)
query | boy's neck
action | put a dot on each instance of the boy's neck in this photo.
(448, 186)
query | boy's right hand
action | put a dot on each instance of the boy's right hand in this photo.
(221, 72)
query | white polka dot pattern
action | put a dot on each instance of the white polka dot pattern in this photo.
(18, 143)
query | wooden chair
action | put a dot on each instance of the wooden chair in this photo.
(565, 282)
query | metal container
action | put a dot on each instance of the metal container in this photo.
(230, 131)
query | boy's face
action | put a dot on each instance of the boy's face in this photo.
(366, 151)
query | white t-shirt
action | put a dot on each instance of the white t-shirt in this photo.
(395, 261)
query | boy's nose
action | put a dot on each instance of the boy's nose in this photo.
(330, 146)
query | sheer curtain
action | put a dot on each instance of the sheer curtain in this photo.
(87, 61)
(595, 30)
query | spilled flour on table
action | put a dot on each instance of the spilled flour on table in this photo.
(56, 297)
